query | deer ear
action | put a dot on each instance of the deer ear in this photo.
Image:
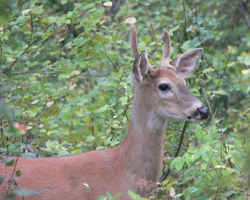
(187, 62)
(141, 67)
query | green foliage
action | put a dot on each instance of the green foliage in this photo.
(25, 192)
(109, 197)
(134, 196)
(4, 11)
(65, 85)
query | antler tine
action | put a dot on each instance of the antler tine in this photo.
(166, 48)
(133, 39)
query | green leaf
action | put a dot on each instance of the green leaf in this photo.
(172, 30)
(90, 139)
(25, 192)
(220, 92)
(9, 161)
(102, 198)
(193, 189)
(2, 108)
(6, 111)
(38, 10)
(64, 1)
(134, 196)
(244, 58)
(178, 163)
(52, 19)
(4, 11)
(102, 109)
(10, 196)
(1, 179)
(18, 173)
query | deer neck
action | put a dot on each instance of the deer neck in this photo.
(143, 144)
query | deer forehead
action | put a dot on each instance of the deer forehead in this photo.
(168, 74)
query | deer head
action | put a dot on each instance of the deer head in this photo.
(163, 87)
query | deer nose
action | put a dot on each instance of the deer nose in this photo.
(203, 111)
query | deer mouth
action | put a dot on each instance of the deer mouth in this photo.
(199, 114)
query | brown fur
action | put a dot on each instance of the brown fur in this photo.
(115, 170)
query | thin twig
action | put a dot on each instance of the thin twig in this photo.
(166, 173)
(241, 8)
(10, 181)
(185, 19)
(244, 13)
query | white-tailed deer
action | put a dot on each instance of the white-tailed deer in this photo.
(160, 95)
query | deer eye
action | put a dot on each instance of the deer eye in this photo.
(164, 87)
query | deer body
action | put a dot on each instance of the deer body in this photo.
(160, 95)
(134, 165)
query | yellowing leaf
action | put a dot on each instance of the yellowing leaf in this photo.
(50, 103)
(32, 78)
(108, 4)
(245, 71)
(219, 167)
(35, 102)
(75, 73)
(21, 127)
(11, 59)
(130, 20)
(27, 11)
(86, 185)
(244, 58)
(172, 192)
(72, 87)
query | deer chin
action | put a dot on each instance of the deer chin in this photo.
(180, 117)
(193, 119)
(169, 116)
